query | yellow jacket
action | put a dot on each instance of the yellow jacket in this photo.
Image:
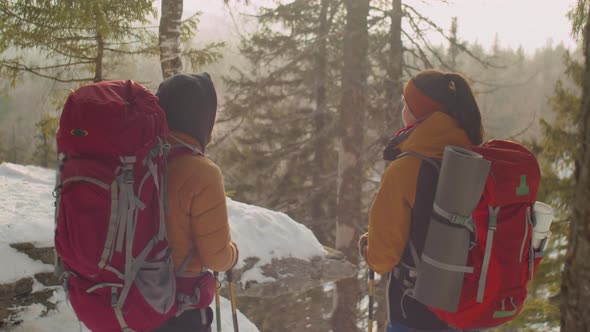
(394, 205)
(197, 217)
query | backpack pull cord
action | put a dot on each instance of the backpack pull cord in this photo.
(407, 292)
(190, 146)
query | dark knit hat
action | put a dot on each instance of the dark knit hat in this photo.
(190, 103)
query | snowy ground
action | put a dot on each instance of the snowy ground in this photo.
(26, 215)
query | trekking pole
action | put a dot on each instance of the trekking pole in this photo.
(232, 298)
(371, 297)
(217, 301)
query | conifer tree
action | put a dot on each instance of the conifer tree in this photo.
(79, 41)
(281, 153)
(73, 37)
(351, 133)
(555, 151)
(283, 111)
(575, 289)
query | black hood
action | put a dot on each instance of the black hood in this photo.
(190, 103)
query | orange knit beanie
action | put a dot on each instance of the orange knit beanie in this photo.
(420, 104)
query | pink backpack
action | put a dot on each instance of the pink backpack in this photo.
(110, 209)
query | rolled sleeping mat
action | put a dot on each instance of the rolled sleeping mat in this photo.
(442, 267)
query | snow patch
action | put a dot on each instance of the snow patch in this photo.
(16, 265)
(35, 319)
(266, 235)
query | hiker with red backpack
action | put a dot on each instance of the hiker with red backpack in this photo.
(140, 213)
(451, 271)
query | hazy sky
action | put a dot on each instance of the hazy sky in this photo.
(516, 22)
(529, 23)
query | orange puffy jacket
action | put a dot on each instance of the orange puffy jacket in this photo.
(391, 213)
(197, 218)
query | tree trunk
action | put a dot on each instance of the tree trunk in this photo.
(394, 84)
(453, 48)
(98, 76)
(350, 165)
(170, 22)
(575, 288)
(318, 198)
(393, 91)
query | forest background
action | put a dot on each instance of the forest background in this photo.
(280, 69)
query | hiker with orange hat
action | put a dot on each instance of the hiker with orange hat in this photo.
(439, 110)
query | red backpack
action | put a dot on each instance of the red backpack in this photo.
(502, 255)
(110, 210)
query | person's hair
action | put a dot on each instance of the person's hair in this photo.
(453, 91)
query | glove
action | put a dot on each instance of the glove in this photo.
(195, 292)
(362, 245)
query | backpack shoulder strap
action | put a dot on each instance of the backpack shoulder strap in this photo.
(177, 150)
(429, 160)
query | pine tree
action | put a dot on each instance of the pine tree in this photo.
(351, 132)
(575, 294)
(453, 52)
(76, 40)
(283, 111)
(72, 37)
(281, 152)
(555, 151)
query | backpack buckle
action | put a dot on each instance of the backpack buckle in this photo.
(190, 299)
(128, 175)
(466, 222)
(114, 297)
(127, 168)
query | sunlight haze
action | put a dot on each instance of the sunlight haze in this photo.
(526, 23)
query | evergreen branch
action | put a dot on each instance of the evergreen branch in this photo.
(423, 55)
(72, 55)
(17, 64)
(18, 67)
(426, 43)
(233, 19)
(53, 78)
(440, 30)
(37, 24)
(147, 50)
(496, 85)
(526, 128)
